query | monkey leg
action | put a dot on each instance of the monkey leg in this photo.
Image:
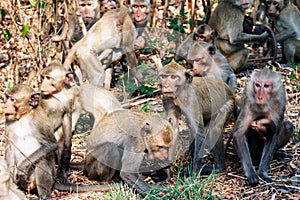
(266, 158)
(45, 176)
(136, 181)
(215, 134)
(285, 134)
(238, 59)
(91, 67)
(132, 65)
(108, 77)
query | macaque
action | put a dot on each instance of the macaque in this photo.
(8, 190)
(207, 61)
(113, 33)
(260, 129)
(227, 21)
(31, 144)
(203, 33)
(123, 141)
(286, 21)
(57, 100)
(206, 102)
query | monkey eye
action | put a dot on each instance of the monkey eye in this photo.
(174, 76)
(12, 99)
(266, 85)
(274, 3)
(82, 4)
(163, 76)
(257, 85)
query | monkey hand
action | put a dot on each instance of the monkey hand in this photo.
(264, 36)
(139, 42)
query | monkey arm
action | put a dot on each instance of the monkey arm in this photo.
(241, 145)
(32, 159)
(245, 38)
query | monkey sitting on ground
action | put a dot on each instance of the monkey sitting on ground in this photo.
(126, 141)
(260, 129)
(207, 62)
(286, 18)
(203, 33)
(8, 190)
(31, 144)
(112, 34)
(207, 104)
(227, 20)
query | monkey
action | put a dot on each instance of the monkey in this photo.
(113, 33)
(58, 98)
(260, 128)
(8, 189)
(285, 18)
(210, 103)
(227, 21)
(207, 61)
(124, 140)
(31, 144)
(203, 33)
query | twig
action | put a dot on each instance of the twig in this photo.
(237, 176)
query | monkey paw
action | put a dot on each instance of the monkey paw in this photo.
(266, 178)
(253, 180)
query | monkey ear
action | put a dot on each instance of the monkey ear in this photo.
(34, 100)
(69, 78)
(146, 130)
(212, 50)
(189, 74)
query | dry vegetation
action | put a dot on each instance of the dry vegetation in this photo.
(30, 25)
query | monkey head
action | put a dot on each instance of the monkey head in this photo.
(54, 78)
(140, 10)
(204, 33)
(274, 7)
(173, 78)
(158, 137)
(89, 10)
(20, 100)
(200, 57)
(262, 85)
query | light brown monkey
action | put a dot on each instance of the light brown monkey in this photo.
(113, 33)
(227, 21)
(58, 98)
(203, 33)
(260, 129)
(206, 102)
(286, 21)
(208, 62)
(31, 144)
(123, 141)
(8, 190)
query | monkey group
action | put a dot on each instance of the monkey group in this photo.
(127, 143)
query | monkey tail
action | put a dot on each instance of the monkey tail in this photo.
(66, 187)
(271, 32)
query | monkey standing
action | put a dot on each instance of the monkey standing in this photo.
(207, 61)
(123, 141)
(58, 98)
(114, 31)
(206, 102)
(227, 21)
(286, 18)
(260, 129)
(30, 142)
(8, 189)
(203, 33)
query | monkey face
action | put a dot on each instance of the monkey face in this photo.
(88, 9)
(263, 91)
(9, 108)
(273, 8)
(139, 12)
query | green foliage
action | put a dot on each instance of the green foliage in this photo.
(10, 84)
(25, 30)
(145, 108)
(3, 12)
(7, 34)
(192, 187)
